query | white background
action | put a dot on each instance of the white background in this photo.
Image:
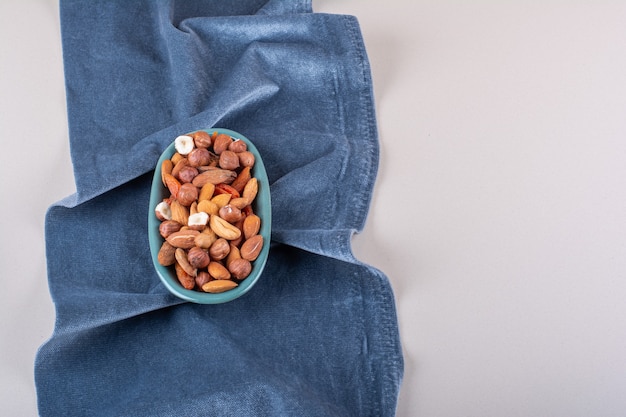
(499, 213)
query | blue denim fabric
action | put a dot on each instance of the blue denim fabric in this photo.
(317, 336)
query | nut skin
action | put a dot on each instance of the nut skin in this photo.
(219, 249)
(229, 160)
(198, 257)
(187, 194)
(180, 213)
(168, 227)
(240, 268)
(214, 176)
(251, 248)
(242, 179)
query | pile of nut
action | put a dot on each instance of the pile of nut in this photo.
(211, 234)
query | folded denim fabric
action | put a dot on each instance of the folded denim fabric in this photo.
(317, 335)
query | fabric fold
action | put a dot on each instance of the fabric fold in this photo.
(317, 335)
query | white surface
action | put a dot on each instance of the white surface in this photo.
(498, 215)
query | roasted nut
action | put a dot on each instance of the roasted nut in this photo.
(240, 203)
(172, 184)
(246, 159)
(218, 271)
(224, 229)
(251, 248)
(183, 144)
(168, 227)
(221, 200)
(232, 255)
(201, 139)
(221, 143)
(181, 258)
(163, 211)
(229, 160)
(250, 190)
(180, 213)
(186, 280)
(205, 239)
(214, 176)
(242, 179)
(208, 207)
(230, 213)
(251, 226)
(240, 268)
(183, 238)
(199, 157)
(183, 162)
(218, 286)
(237, 146)
(219, 249)
(198, 257)
(166, 255)
(206, 192)
(198, 221)
(187, 194)
(202, 278)
(166, 169)
(187, 174)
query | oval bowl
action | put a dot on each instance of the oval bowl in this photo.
(261, 206)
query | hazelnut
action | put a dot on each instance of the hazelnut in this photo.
(163, 211)
(221, 143)
(202, 278)
(168, 227)
(187, 174)
(166, 255)
(230, 213)
(198, 257)
(246, 158)
(219, 249)
(201, 139)
(240, 268)
(199, 157)
(229, 160)
(237, 146)
(187, 194)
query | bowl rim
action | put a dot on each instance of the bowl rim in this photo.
(262, 207)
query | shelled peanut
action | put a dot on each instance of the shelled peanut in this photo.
(210, 231)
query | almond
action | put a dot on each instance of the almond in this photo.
(219, 285)
(183, 239)
(214, 176)
(218, 271)
(186, 280)
(251, 248)
(251, 225)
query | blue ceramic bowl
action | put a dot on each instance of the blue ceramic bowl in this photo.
(262, 207)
